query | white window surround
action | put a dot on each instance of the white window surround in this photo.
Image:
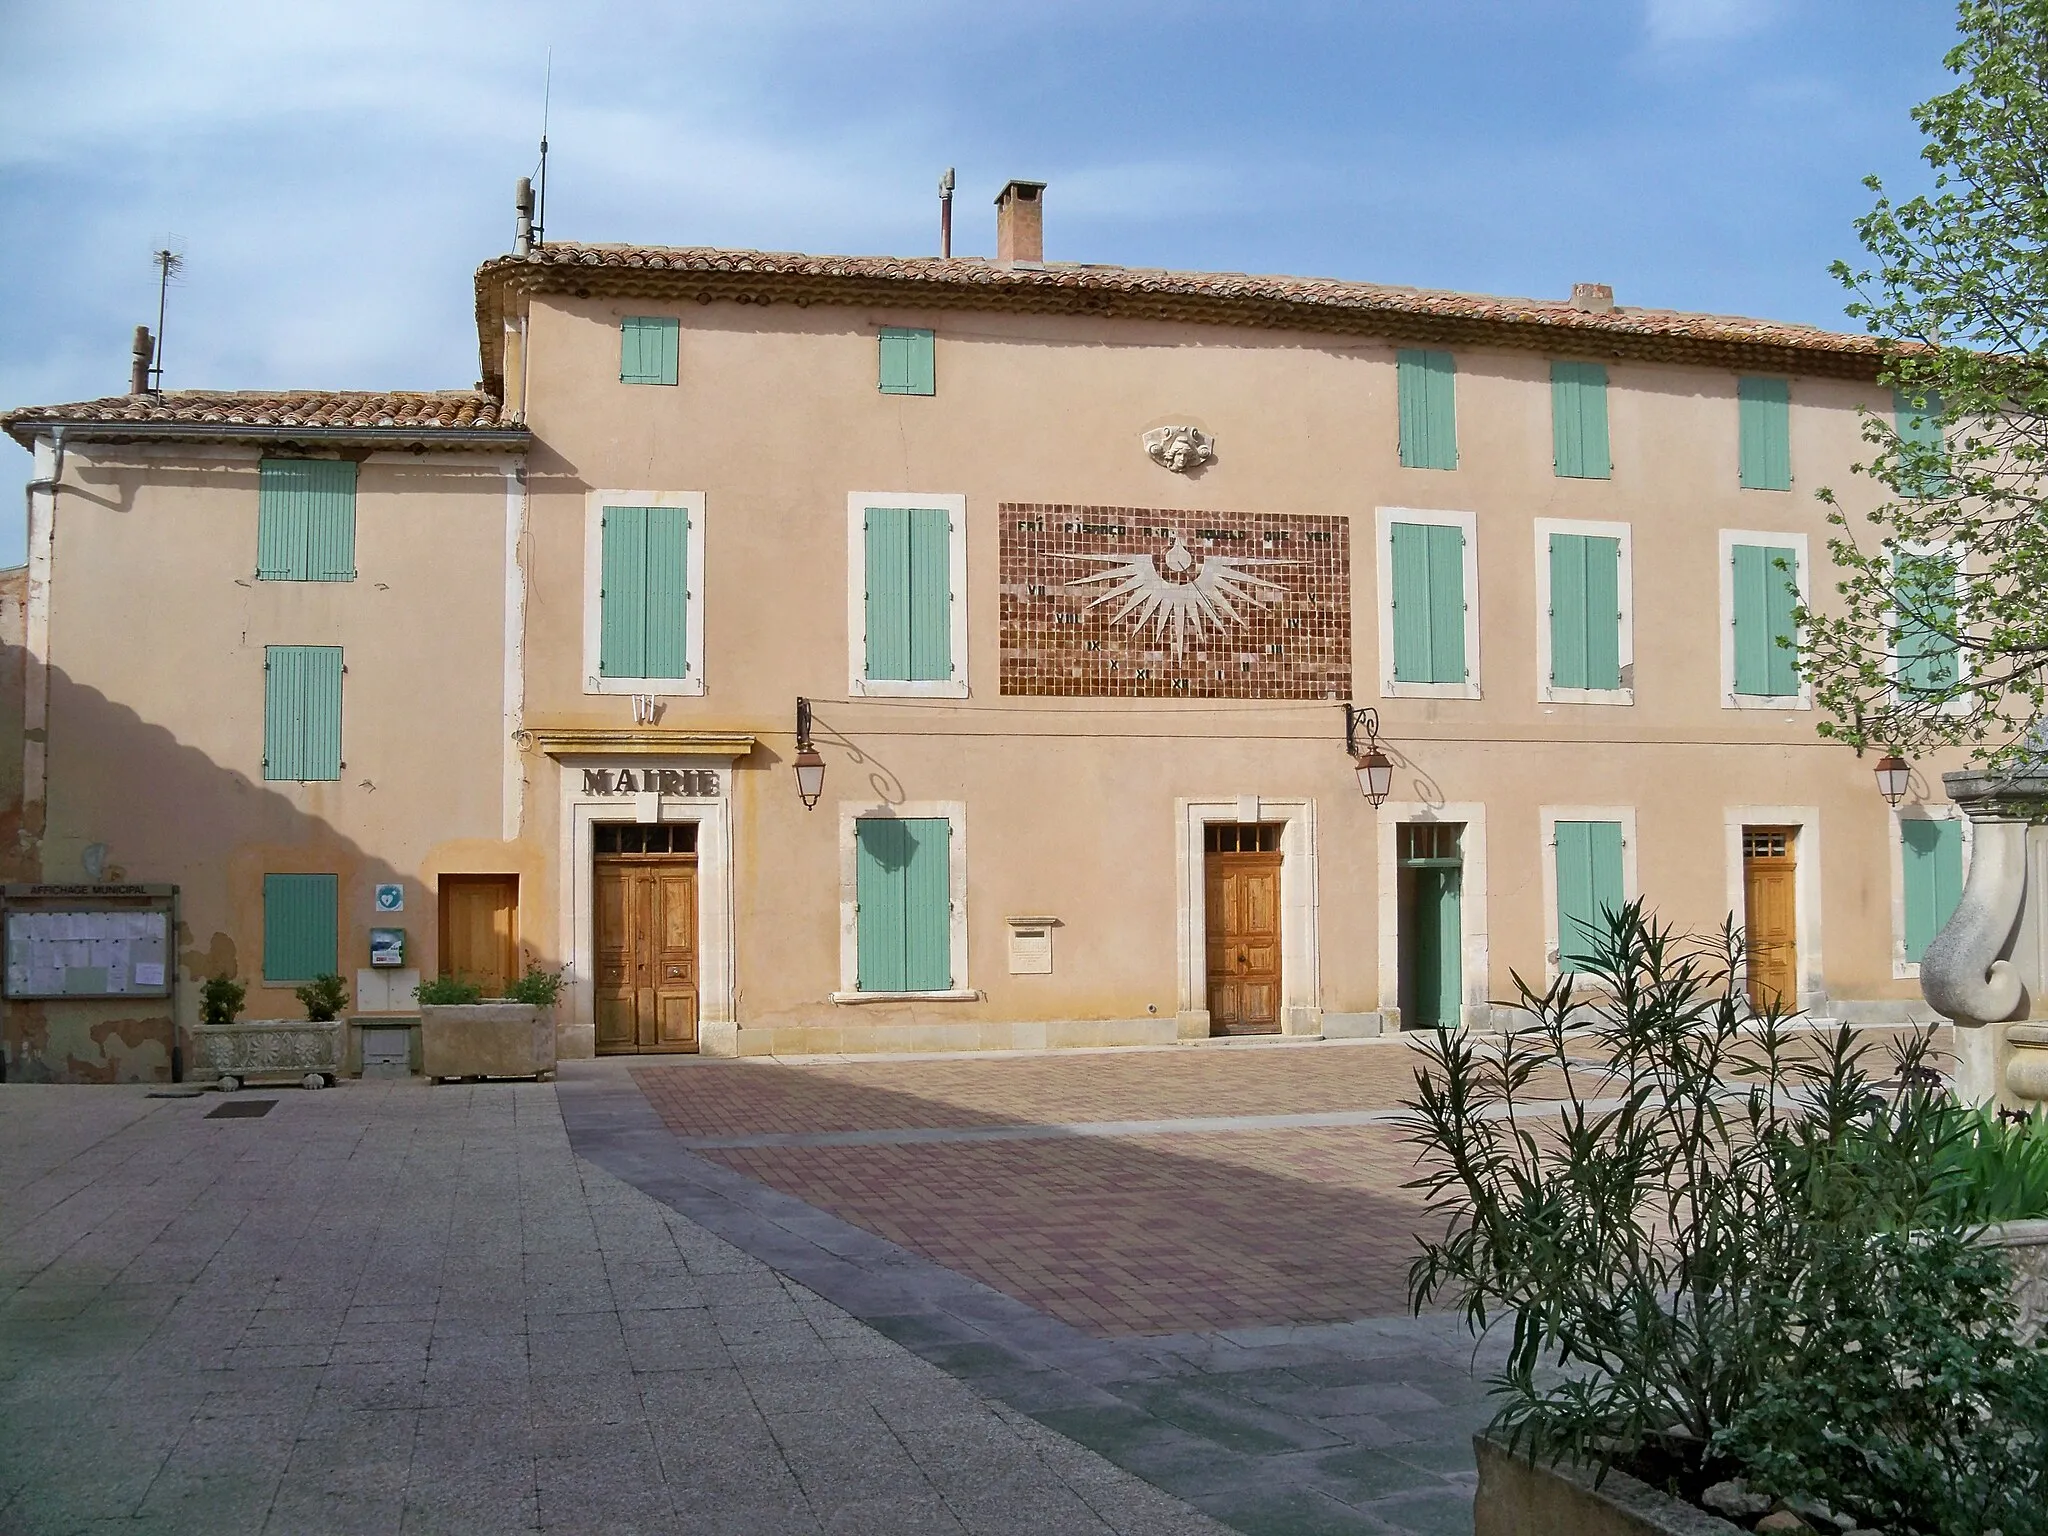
(1383, 561)
(1476, 1011)
(1301, 1007)
(858, 683)
(1549, 816)
(1959, 705)
(594, 504)
(1902, 968)
(953, 812)
(1625, 583)
(1730, 537)
(580, 812)
(1812, 988)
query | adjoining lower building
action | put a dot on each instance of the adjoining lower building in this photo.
(1074, 575)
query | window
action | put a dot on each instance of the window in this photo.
(903, 903)
(1924, 642)
(1931, 853)
(1578, 421)
(302, 712)
(647, 349)
(1763, 581)
(1917, 416)
(1766, 433)
(906, 362)
(1429, 635)
(907, 606)
(1589, 886)
(643, 559)
(300, 926)
(306, 520)
(1583, 648)
(1427, 385)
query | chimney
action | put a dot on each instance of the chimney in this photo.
(1020, 222)
(522, 225)
(1593, 298)
(145, 354)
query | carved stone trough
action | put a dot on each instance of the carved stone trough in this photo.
(486, 1040)
(268, 1051)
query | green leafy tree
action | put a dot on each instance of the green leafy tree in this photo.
(1941, 638)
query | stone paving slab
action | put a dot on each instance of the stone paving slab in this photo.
(389, 1308)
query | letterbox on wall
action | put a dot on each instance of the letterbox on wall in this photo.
(1031, 945)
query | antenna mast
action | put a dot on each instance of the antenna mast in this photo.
(168, 264)
(540, 214)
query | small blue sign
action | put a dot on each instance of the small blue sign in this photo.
(390, 898)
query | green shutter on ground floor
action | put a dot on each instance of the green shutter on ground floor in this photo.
(301, 926)
(1932, 854)
(302, 712)
(1429, 602)
(1766, 591)
(904, 903)
(1589, 886)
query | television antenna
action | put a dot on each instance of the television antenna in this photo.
(169, 261)
(540, 213)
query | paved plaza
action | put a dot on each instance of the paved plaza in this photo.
(1131, 1291)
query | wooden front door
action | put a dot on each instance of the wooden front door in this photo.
(480, 930)
(1770, 914)
(1431, 863)
(646, 921)
(1242, 864)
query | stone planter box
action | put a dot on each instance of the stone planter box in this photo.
(2026, 1248)
(1516, 1499)
(268, 1051)
(486, 1040)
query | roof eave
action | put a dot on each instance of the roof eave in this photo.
(25, 430)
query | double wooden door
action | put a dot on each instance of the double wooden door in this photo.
(1770, 916)
(1244, 942)
(646, 995)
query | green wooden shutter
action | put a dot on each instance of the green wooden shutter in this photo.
(666, 649)
(928, 907)
(1578, 420)
(931, 594)
(1925, 637)
(906, 362)
(1426, 383)
(1429, 602)
(647, 349)
(301, 922)
(302, 712)
(1603, 612)
(306, 520)
(1764, 599)
(888, 594)
(904, 904)
(1932, 853)
(622, 594)
(1766, 433)
(1568, 611)
(1917, 416)
(1589, 886)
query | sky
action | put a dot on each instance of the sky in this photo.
(333, 173)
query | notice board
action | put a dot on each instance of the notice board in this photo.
(88, 941)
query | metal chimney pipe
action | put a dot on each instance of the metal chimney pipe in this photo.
(522, 226)
(138, 368)
(946, 213)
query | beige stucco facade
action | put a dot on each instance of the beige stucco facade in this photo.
(472, 719)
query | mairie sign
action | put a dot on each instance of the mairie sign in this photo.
(689, 783)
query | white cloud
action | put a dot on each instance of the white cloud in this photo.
(1680, 23)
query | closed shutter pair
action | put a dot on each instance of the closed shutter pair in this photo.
(1589, 887)
(909, 594)
(643, 594)
(903, 896)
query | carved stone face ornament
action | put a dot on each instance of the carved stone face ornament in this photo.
(1180, 449)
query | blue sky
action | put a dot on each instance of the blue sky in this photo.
(334, 172)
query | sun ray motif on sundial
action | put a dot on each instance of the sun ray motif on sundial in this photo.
(1171, 602)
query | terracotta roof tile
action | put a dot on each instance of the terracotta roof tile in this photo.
(1320, 304)
(422, 411)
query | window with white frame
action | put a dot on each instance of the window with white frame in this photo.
(1428, 604)
(1764, 578)
(907, 594)
(643, 618)
(1585, 630)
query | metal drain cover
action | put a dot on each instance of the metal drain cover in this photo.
(241, 1109)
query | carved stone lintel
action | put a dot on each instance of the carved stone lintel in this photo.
(1180, 449)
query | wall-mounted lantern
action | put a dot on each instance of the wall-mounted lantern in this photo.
(1893, 774)
(1375, 771)
(810, 768)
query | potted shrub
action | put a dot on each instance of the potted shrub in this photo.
(233, 1050)
(463, 1034)
(1747, 1277)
